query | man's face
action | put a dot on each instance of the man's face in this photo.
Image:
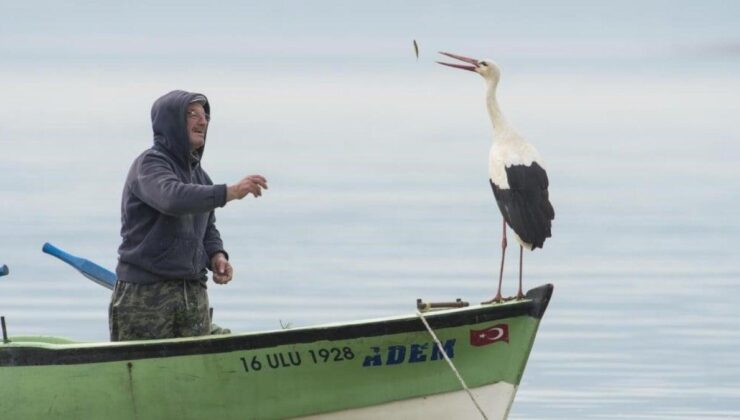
(197, 124)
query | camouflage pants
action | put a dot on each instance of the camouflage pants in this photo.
(165, 309)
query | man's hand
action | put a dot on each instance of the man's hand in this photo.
(222, 271)
(251, 184)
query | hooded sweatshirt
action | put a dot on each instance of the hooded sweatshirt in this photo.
(167, 208)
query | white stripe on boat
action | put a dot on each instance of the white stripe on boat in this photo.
(495, 400)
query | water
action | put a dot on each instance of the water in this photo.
(378, 182)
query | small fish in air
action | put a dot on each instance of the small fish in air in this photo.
(416, 49)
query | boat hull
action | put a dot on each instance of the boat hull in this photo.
(388, 367)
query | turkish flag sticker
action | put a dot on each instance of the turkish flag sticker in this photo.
(489, 335)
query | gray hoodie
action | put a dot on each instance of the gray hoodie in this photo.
(167, 209)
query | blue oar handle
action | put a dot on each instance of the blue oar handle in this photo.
(70, 259)
(4, 270)
(88, 268)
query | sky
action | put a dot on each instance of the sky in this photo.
(85, 66)
(197, 32)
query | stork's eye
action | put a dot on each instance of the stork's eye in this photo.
(483, 63)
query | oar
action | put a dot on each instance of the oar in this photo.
(88, 268)
(4, 270)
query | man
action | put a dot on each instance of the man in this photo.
(168, 230)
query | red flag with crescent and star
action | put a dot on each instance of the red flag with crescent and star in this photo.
(499, 332)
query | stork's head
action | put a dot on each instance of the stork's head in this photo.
(486, 67)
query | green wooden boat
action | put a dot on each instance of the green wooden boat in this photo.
(382, 368)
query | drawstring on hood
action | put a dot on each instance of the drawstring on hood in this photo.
(185, 292)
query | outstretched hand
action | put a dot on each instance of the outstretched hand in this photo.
(222, 270)
(252, 184)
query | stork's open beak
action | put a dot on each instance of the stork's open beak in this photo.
(472, 61)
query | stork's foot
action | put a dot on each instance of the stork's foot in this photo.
(497, 299)
(519, 295)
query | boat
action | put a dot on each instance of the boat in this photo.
(439, 363)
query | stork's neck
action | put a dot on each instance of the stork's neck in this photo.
(497, 118)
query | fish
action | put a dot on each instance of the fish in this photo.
(416, 49)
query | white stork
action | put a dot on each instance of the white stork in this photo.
(518, 179)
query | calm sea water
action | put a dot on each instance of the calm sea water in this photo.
(379, 195)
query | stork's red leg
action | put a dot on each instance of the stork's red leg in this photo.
(520, 295)
(498, 297)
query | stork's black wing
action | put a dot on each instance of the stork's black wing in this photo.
(525, 205)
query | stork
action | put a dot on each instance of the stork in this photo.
(516, 174)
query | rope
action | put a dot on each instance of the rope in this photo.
(452, 365)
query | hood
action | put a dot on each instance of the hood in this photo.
(169, 125)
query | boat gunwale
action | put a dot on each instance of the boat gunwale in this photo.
(44, 354)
